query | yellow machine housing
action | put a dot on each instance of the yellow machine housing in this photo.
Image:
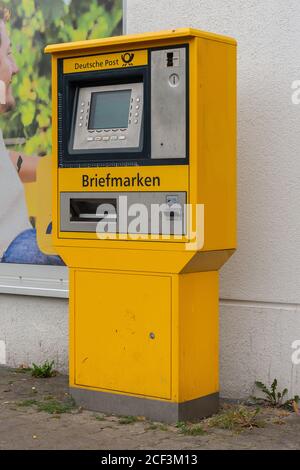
(144, 309)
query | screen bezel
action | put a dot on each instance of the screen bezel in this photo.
(133, 133)
(95, 95)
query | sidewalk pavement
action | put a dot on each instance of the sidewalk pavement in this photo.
(37, 413)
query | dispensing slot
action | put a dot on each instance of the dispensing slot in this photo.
(92, 210)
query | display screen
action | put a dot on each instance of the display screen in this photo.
(109, 109)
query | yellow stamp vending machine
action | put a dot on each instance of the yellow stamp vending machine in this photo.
(144, 215)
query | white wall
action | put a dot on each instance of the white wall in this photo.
(261, 282)
(33, 329)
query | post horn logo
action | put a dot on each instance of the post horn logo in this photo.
(127, 57)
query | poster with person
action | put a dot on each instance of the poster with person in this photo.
(26, 27)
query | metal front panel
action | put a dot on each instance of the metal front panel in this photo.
(107, 139)
(168, 103)
(134, 335)
(171, 206)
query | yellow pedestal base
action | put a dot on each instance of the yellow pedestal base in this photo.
(141, 335)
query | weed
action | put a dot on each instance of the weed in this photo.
(278, 421)
(157, 427)
(236, 419)
(190, 429)
(51, 406)
(27, 403)
(56, 407)
(296, 408)
(195, 431)
(128, 419)
(43, 371)
(152, 427)
(99, 417)
(163, 427)
(274, 398)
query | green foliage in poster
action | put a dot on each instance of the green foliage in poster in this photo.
(33, 25)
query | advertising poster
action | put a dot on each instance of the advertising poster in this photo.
(26, 27)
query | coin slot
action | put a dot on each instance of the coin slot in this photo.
(170, 57)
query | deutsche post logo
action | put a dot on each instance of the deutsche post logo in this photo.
(127, 58)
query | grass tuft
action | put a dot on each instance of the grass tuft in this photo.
(56, 407)
(27, 403)
(43, 371)
(190, 429)
(157, 427)
(128, 419)
(50, 405)
(99, 417)
(237, 419)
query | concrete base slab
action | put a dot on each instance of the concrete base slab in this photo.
(156, 410)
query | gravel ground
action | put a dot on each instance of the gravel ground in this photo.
(39, 414)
